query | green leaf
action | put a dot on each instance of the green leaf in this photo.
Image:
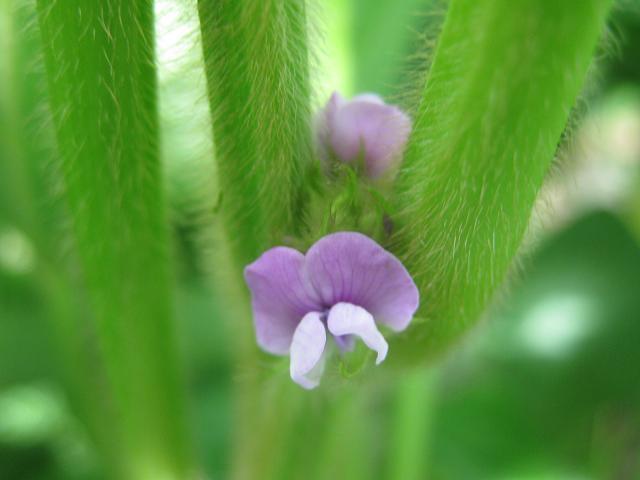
(494, 106)
(99, 60)
(257, 64)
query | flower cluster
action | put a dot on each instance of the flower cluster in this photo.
(346, 285)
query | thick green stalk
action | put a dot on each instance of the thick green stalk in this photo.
(496, 101)
(27, 201)
(257, 64)
(102, 83)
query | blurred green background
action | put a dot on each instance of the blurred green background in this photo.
(546, 387)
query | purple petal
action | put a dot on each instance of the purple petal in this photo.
(368, 97)
(365, 125)
(350, 267)
(307, 351)
(349, 319)
(280, 296)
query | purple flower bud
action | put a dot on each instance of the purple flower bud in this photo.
(345, 285)
(364, 128)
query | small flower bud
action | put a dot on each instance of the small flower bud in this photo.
(364, 129)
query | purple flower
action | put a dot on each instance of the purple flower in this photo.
(364, 128)
(345, 284)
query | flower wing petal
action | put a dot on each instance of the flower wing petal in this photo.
(307, 351)
(280, 296)
(348, 319)
(350, 267)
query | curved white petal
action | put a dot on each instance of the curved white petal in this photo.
(348, 319)
(307, 351)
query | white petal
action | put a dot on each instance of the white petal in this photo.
(348, 319)
(307, 351)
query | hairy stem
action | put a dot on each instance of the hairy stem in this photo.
(257, 68)
(496, 100)
(102, 85)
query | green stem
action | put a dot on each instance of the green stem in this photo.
(411, 422)
(99, 60)
(256, 62)
(495, 103)
(32, 206)
(346, 432)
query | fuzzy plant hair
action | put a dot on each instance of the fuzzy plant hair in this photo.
(101, 73)
(257, 65)
(494, 106)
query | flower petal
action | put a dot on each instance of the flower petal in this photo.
(368, 97)
(307, 351)
(378, 130)
(280, 296)
(348, 319)
(350, 267)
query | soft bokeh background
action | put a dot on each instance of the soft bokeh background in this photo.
(546, 387)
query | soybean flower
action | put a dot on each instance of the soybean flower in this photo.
(345, 285)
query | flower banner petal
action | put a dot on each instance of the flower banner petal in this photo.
(350, 267)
